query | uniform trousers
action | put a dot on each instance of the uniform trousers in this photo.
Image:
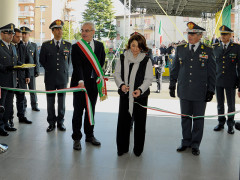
(52, 118)
(158, 74)
(33, 96)
(79, 104)
(124, 122)
(192, 129)
(230, 95)
(6, 100)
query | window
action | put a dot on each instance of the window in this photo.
(118, 23)
(26, 8)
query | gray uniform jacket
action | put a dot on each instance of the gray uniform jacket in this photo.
(228, 64)
(55, 62)
(32, 57)
(196, 74)
(7, 58)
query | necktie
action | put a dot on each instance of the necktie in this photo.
(192, 48)
(57, 45)
(225, 47)
(89, 45)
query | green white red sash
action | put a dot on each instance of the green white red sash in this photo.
(72, 89)
(101, 80)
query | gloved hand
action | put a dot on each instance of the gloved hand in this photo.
(172, 91)
(2, 109)
(209, 96)
(36, 74)
(9, 68)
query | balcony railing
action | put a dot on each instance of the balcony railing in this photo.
(26, 13)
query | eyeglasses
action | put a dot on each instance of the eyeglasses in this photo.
(87, 30)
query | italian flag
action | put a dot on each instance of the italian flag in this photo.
(160, 31)
(225, 19)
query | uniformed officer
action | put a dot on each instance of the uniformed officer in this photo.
(55, 58)
(194, 69)
(23, 78)
(227, 56)
(159, 65)
(32, 57)
(8, 76)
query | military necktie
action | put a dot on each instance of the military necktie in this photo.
(224, 47)
(192, 48)
(57, 45)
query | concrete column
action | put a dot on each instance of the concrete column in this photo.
(8, 12)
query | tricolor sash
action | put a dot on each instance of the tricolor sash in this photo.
(101, 80)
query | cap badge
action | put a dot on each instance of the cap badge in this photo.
(190, 25)
(58, 22)
(11, 27)
(223, 28)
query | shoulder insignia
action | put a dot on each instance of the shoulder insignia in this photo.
(215, 44)
(12, 43)
(66, 42)
(2, 44)
(182, 44)
(47, 41)
(236, 43)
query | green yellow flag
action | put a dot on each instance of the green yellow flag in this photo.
(225, 19)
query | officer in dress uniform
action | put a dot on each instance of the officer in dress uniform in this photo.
(32, 57)
(23, 78)
(8, 76)
(194, 69)
(55, 58)
(227, 56)
(159, 65)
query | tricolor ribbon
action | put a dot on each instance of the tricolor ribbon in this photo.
(194, 117)
(65, 90)
(101, 80)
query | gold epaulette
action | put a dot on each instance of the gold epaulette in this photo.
(215, 44)
(47, 41)
(236, 43)
(64, 41)
(182, 44)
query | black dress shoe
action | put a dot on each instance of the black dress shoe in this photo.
(77, 145)
(137, 153)
(93, 140)
(8, 128)
(10, 122)
(120, 153)
(195, 151)
(157, 91)
(181, 148)
(237, 126)
(61, 127)
(50, 128)
(230, 130)
(218, 127)
(24, 120)
(3, 132)
(35, 109)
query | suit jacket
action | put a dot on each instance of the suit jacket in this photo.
(82, 68)
(228, 64)
(195, 73)
(32, 57)
(7, 58)
(55, 62)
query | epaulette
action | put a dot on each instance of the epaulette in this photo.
(47, 41)
(64, 41)
(208, 46)
(182, 44)
(236, 43)
(215, 44)
(12, 43)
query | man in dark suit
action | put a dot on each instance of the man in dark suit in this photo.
(227, 56)
(32, 57)
(194, 68)
(8, 76)
(84, 75)
(22, 80)
(55, 58)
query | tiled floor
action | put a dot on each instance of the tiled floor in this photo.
(36, 155)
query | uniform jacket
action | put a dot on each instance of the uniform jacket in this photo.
(55, 62)
(228, 64)
(195, 74)
(82, 68)
(7, 58)
(32, 57)
(160, 64)
(22, 75)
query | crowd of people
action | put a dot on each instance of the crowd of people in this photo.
(196, 71)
